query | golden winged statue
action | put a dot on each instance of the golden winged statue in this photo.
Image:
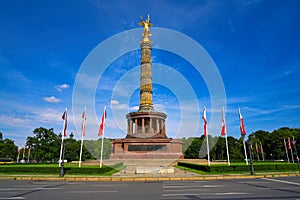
(146, 24)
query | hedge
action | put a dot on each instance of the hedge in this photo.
(241, 168)
(54, 169)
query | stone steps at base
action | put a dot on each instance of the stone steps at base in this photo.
(147, 162)
(130, 162)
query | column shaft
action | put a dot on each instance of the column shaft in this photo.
(150, 126)
(130, 126)
(143, 125)
(136, 126)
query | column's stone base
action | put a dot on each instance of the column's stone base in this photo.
(154, 170)
(146, 148)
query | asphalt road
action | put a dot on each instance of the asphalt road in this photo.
(275, 188)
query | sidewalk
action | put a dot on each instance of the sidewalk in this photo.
(181, 176)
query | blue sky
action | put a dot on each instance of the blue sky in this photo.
(253, 43)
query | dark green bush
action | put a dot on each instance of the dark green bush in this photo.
(54, 169)
(241, 168)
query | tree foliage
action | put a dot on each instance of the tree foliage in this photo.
(94, 147)
(72, 152)
(44, 145)
(7, 148)
(272, 143)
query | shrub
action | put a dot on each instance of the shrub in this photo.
(54, 169)
(241, 168)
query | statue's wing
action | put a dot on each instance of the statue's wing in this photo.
(141, 24)
(150, 24)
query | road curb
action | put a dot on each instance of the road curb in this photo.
(142, 179)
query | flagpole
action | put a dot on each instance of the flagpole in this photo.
(262, 152)
(228, 160)
(245, 150)
(101, 156)
(101, 153)
(224, 131)
(256, 148)
(28, 155)
(294, 144)
(243, 132)
(286, 151)
(62, 143)
(206, 134)
(24, 152)
(61, 149)
(80, 156)
(291, 150)
(82, 135)
(18, 157)
(208, 157)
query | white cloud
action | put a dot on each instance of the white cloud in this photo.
(116, 105)
(134, 108)
(114, 102)
(50, 116)
(61, 87)
(14, 121)
(52, 99)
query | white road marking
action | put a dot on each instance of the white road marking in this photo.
(230, 193)
(202, 194)
(22, 189)
(112, 185)
(192, 186)
(41, 183)
(186, 190)
(181, 186)
(81, 192)
(282, 181)
(14, 189)
(213, 186)
(8, 198)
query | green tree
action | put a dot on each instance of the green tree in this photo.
(8, 149)
(272, 142)
(44, 145)
(193, 150)
(236, 149)
(94, 147)
(72, 151)
(219, 149)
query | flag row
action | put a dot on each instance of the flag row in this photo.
(223, 129)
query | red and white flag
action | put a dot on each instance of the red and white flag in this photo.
(64, 117)
(24, 148)
(223, 131)
(289, 144)
(205, 121)
(19, 151)
(284, 143)
(101, 128)
(83, 123)
(242, 126)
